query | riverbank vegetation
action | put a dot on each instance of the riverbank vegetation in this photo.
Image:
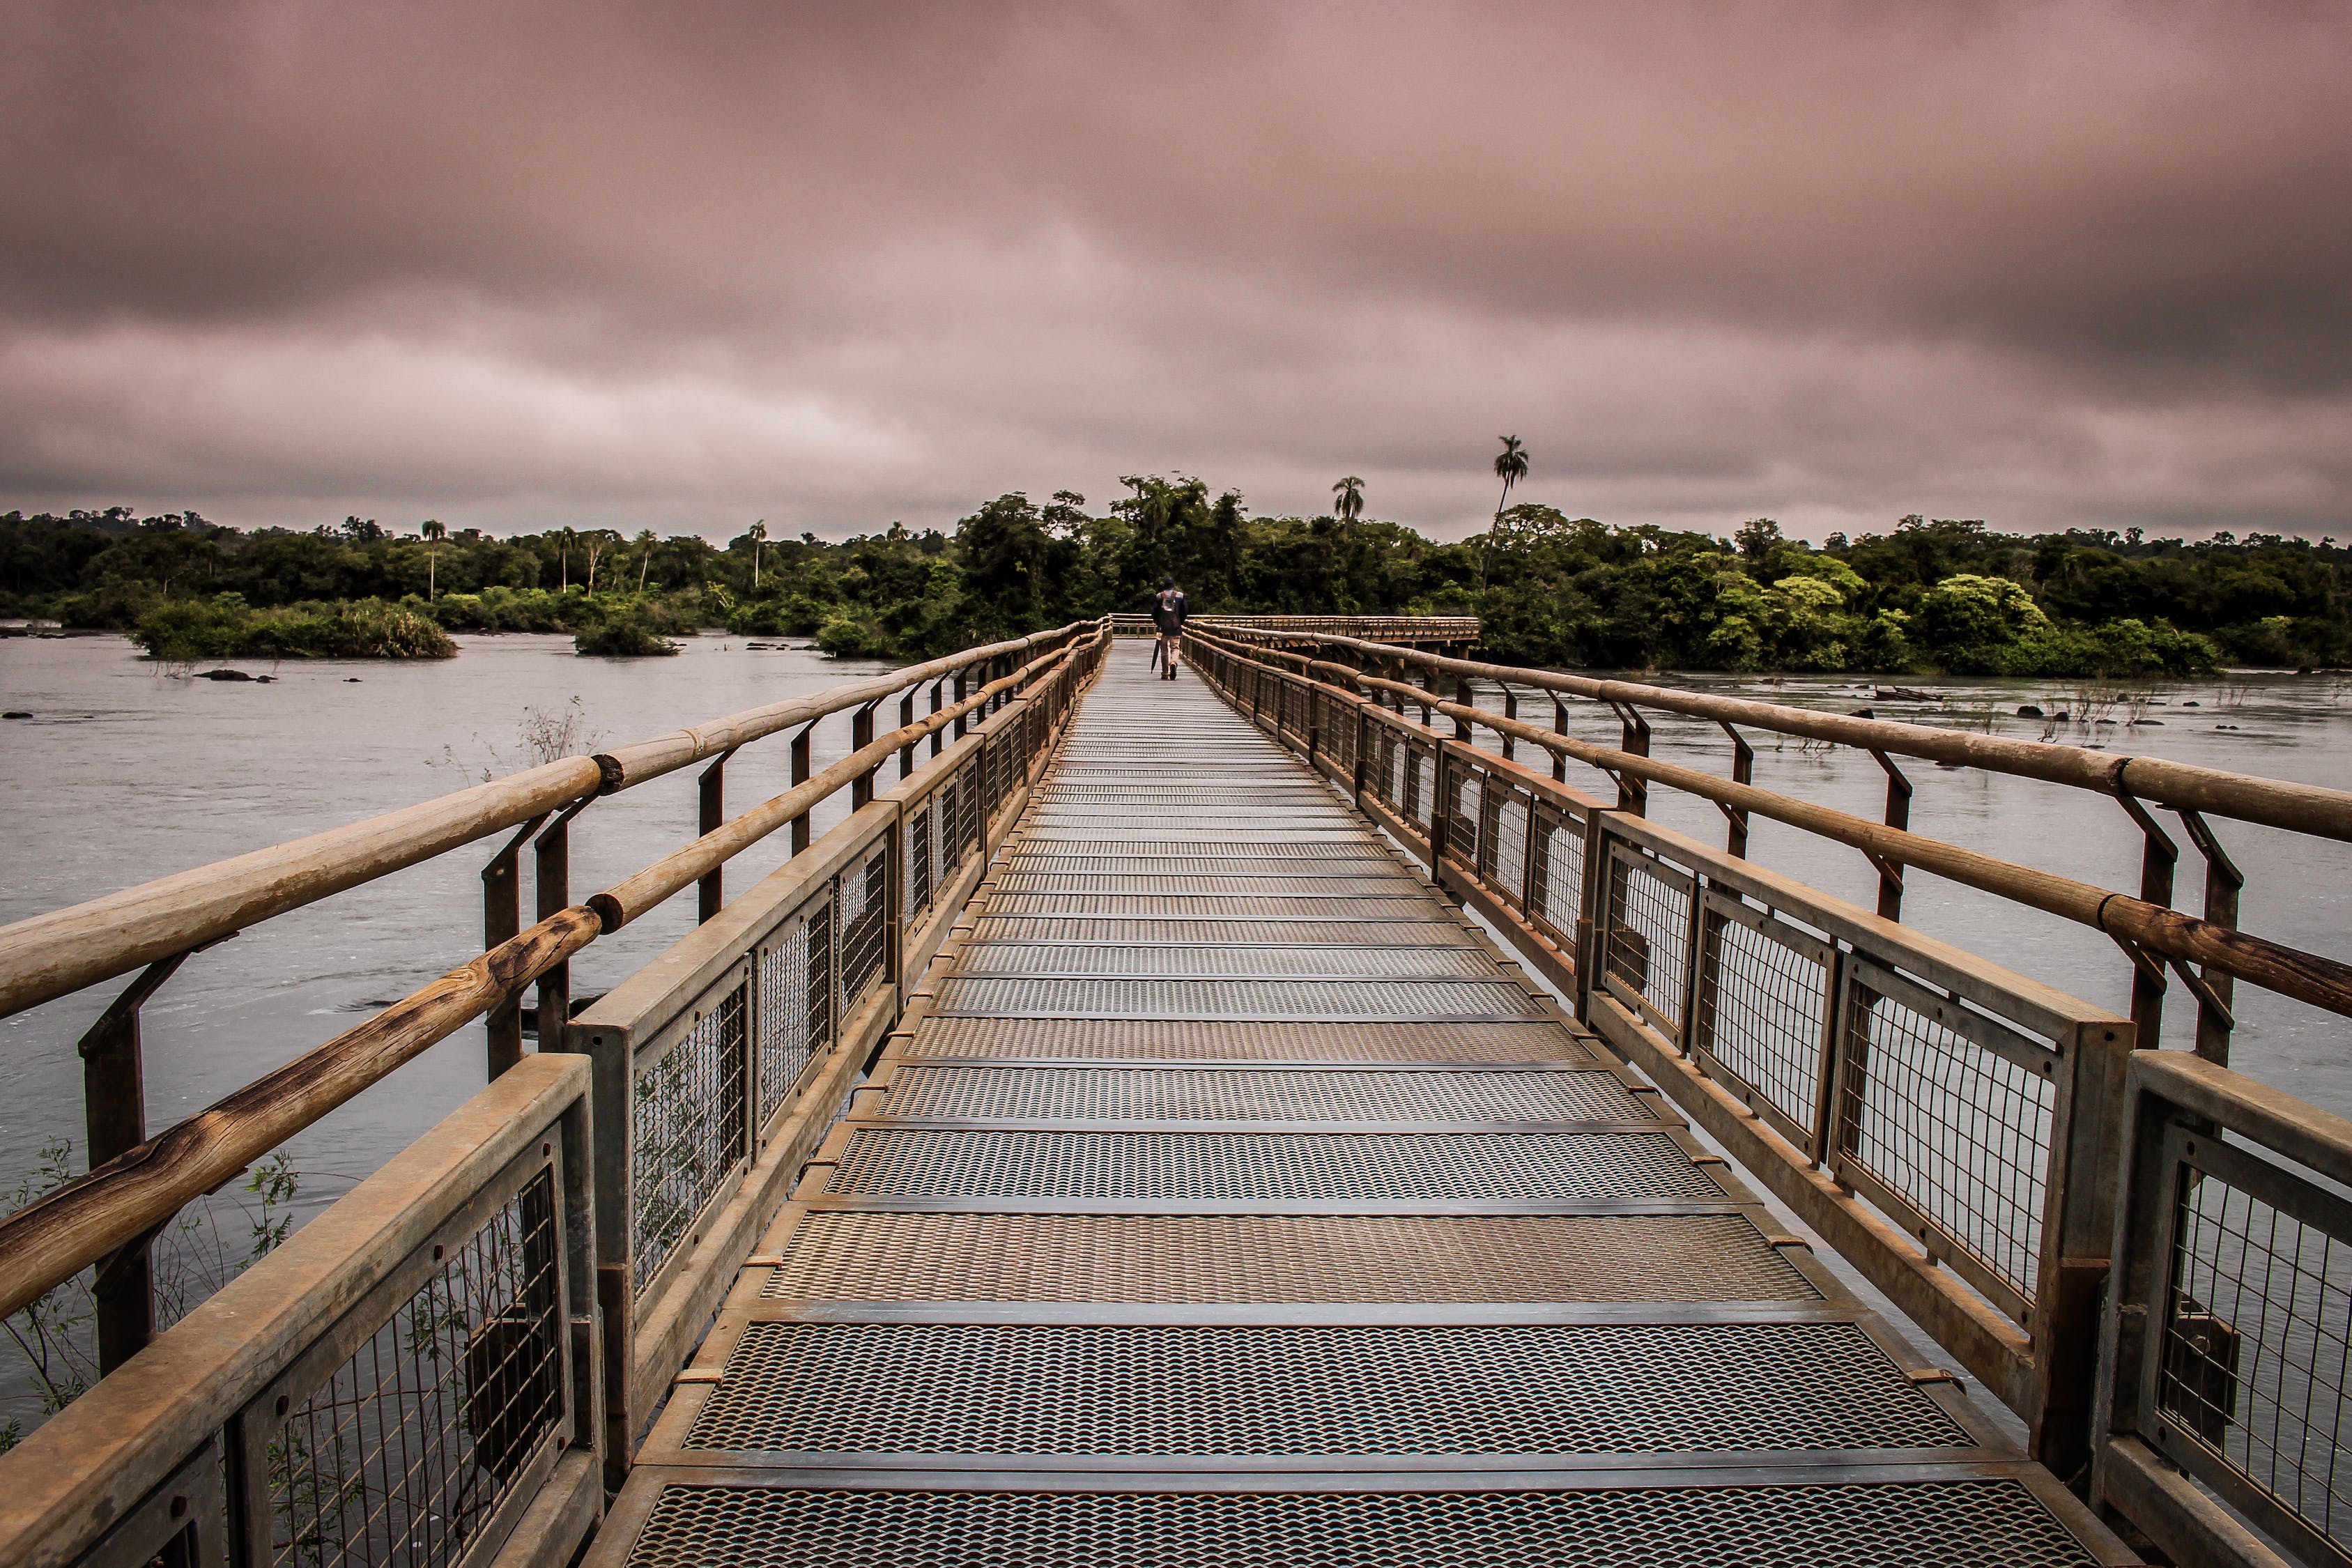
(1925, 596)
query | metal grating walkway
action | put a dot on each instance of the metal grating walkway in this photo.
(1226, 1199)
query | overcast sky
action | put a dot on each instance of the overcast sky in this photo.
(833, 265)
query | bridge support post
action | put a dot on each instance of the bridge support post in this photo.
(710, 892)
(801, 772)
(2077, 1236)
(114, 1113)
(861, 735)
(501, 921)
(551, 876)
(1898, 815)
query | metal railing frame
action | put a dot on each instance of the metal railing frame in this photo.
(119, 1206)
(1494, 833)
(178, 1451)
(1441, 631)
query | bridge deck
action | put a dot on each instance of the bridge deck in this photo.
(1232, 1201)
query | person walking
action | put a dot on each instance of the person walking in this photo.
(1169, 610)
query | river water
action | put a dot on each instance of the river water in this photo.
(129, 771)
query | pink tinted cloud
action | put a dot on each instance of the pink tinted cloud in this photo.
(2049, 265)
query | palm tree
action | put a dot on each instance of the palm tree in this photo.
(434, 532)
(1350, 505)
(644, 555)
(564, 540)
(757, 533)
(1511, 466)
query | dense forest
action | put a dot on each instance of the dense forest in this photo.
(1925, 596)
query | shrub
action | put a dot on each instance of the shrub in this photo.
(624, 632)
(184, 630)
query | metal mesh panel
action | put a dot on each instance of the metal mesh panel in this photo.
(1339, 731)
(1959, 1132)
(689, 1129)
(402, 1454)
(1327, 1095)
(1974, 1523)
(795, 1017)
(1189, 1039)
(837, 1255)
(2257, 1341)
(1555, 894)
(1462, 811)
(1233, 905)
(1029, 1388)
(1368, 934)
(1350, 962)
(1421, 784)
(1272, 860)
(863, 911)
(1648, 928)
(1239, 998)
(1240, 1166)
(1063, 853)
(1371, 883)
(918, 864)
(1763, 1007)
(1505, 851)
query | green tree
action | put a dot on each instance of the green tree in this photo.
(434, 532)
(1510, 467)
(1351, 504)
(646, 542)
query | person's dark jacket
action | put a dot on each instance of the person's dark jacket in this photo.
(1169, 610)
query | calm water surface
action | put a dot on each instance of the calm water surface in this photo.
(128, 772)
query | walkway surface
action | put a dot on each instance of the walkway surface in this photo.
(1232, 1201)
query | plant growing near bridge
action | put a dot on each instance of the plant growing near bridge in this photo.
(55, 1337)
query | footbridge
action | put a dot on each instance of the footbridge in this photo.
(1240, 1118)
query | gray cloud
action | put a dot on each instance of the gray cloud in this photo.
(507, 264)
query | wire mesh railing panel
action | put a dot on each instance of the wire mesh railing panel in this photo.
(1939, 1110)
(1555, 880)
(1420, 784)
(1462, 812)
(689, 1127)
(793, 968)
(408, 1447)
(2257, 1333)
(1763, 1008)
(1645, 936)
(1505, 843)
(863, 894)
(918, 855)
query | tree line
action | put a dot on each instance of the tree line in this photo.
(1925, 596)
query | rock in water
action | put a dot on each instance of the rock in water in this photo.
(2029, 712)
(224, 675)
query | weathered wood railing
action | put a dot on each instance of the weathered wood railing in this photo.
(687, 1096)
(1957, 1130)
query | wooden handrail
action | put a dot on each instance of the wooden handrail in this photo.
(2273, 803)
(51, 955)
